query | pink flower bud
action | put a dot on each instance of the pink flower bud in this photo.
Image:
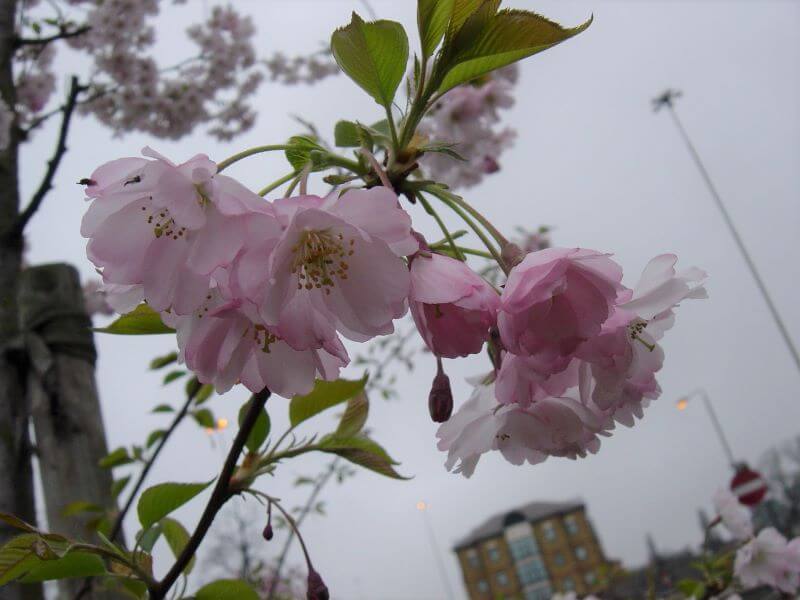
(440, 400)
(317, 590)
(268, 533)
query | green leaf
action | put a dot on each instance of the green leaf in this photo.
(260, 431)
(116, 458)
(72, 565)
(172, 376)
(354, 417)
(205, 418)
(306, 150)
(324, 395)
(147, 538)
(118, 485)
(81, 506)
(17, 523)
(503, 39)
(345, 135)
(374, 55)
(163, 408)
(160, 500)
(177, 537)
(143, 320)
(433, 17)
(226, 589)
(204, 394)
(363, 452)
(162, 361)
(154, 437)
(21, 554)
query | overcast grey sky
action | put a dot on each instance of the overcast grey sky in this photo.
(593, 161)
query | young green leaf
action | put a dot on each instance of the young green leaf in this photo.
(173, 375)
(433, 17)
(81, 506)
(143, 320)
(72, 565)
(154, 437)
(345, 135)
(160, 500)
(118, 485)
(374, 55)
(177, 537)
(205, 418)
(116, 458)
(260, 432)
(363, 452)
(324, 395)
(162, 361)
(163, 408)
(226, 589)
(354, 417)
(505, 38)
(17, 523)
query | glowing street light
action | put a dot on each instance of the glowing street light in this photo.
(421, 505)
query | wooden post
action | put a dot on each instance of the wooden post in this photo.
(62, 394)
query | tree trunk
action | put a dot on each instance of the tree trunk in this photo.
(62, 393)
(16, 491)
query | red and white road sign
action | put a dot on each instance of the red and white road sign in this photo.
(748, 486)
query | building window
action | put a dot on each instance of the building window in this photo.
(532, 571)
(473, 560)
(541, 592)
(523, 547)
(568, 584)
(494, 554)
(580, 553)
(483, 587)
(590, 578)
(558, 559)
(571, 525)
(502, 578)
(549, 531)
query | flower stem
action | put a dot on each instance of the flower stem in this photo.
(393, 129)
(474, 226)
(499, 237)
(448, 236)
(279, 182)
(250, 152)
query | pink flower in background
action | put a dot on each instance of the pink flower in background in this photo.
(224, 343)
(556, 299)
(337, 267)
(734, 515)
(453, 307)
(166, 227)
(766, 560)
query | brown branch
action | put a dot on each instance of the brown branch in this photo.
(46, 185)
(221, 494)
(63, 34)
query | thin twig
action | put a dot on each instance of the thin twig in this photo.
(321, 482)
(46, 185)
(221, 494)
(43, 41)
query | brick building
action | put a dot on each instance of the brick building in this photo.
(532, 552)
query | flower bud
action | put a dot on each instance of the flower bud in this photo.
(512, 254)
(317, 590)
(440, 400)
(490, 165)
(268, 533)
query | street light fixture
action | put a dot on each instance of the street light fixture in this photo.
(683, 403)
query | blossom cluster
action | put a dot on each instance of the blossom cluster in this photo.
(259, 292)
(262, 293)
(766, 558)
(301, 69)
(469, 116)
(576, 353)
(128, 89)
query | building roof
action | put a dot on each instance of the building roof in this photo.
(533, 512)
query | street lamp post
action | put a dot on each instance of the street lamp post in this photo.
(683, 402)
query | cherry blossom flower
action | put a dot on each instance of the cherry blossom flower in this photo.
(167, 227)
(556, 299)
(452, 306)
(765, 560)
(734, 515)
(336, 267)
(224, 343)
